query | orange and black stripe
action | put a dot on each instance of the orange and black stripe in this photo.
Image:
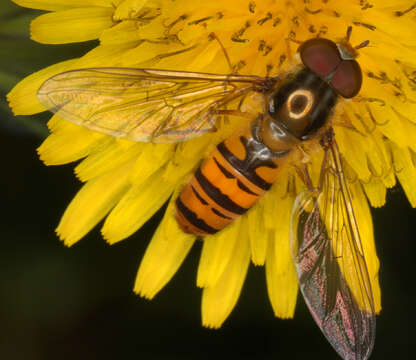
(226, 185)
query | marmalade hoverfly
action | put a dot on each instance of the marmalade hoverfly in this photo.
(171, 106)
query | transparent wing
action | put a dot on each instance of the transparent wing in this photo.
(143, 104)
(330, 263)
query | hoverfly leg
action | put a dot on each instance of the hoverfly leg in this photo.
(239, 113)
(326, 141)
(213, 36)
(177, 148)
(303, 173)
(288, 49)
(345, 123)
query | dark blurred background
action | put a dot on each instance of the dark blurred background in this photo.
(77, 303)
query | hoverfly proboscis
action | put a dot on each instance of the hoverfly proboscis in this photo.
(148, 105)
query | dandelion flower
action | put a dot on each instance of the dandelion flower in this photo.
(126, 182)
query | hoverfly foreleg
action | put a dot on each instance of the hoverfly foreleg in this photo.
(235, 113)
(288, 49)
(213, 36)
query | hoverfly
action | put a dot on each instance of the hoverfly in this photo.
(148, 105)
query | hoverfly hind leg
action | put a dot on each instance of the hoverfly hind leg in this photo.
(302, 170)
(303, 173)
(326, 142)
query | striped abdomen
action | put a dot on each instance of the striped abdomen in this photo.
(227, 183)
(244, 167)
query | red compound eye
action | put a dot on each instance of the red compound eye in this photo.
(347, 79)
(323, 58)
(320, 55)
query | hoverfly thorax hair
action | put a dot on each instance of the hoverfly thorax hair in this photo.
(302, 105)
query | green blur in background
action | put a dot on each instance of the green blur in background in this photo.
(77, 303)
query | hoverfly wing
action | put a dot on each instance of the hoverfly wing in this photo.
(330, 264)
(143, 104)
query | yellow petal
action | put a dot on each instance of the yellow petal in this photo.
(70, 143)
(354, 155)
(207, 55)
(272, 200)
(92, 203)
(132, 9)
(151, 159)
(136, 207)
(22, 99)
(372, 151)
(257, 233)
(186, 158)
(375, 190)
(72, 25)
(164, 255)
(217, 252)
(282, 285)
(148, 54)
(219, 300)
(405, 171)
(390, 123)
(385, 20)
(54, 5)
(108, 157)
(389, 180)
(124, 32)
(180, 39)
(365, 226)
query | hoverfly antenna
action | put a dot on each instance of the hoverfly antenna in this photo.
(348, 35)
(363, 44)
(347, 50)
